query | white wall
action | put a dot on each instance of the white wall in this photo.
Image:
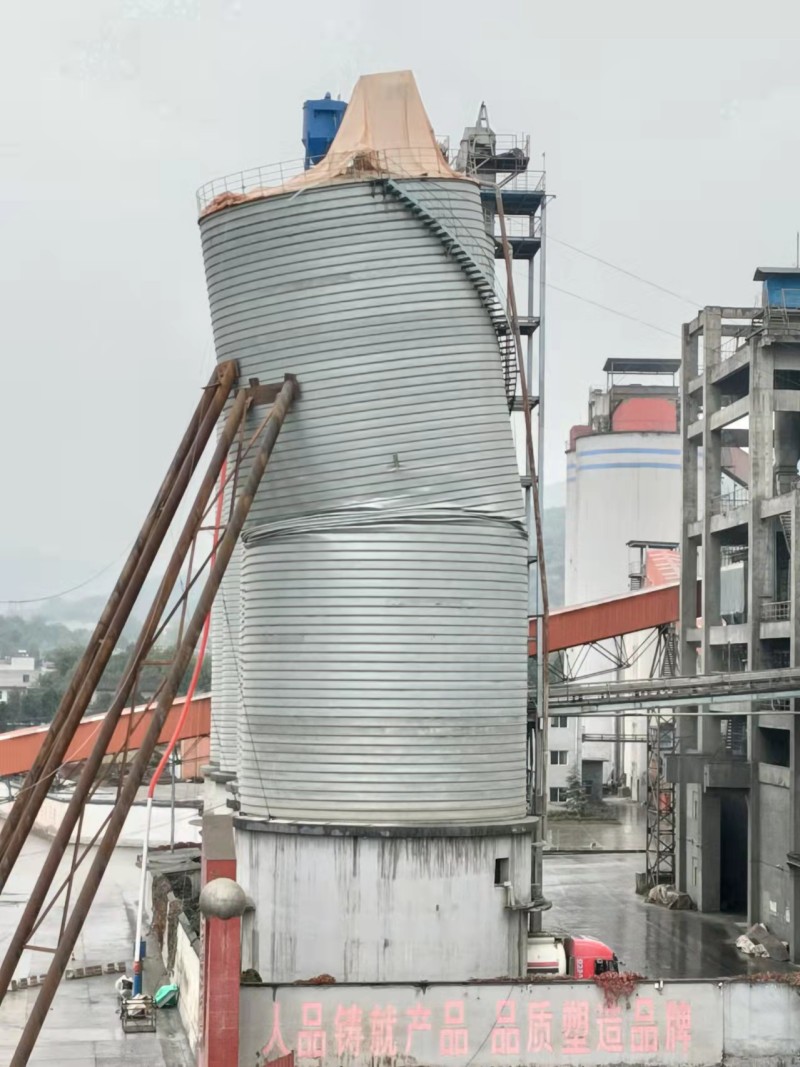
(677, 1024)
(52, 812)
(186, 975)
(183, 969)
(383, 907)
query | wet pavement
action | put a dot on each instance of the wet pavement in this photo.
(627, 833)
(593, 895)
(83, 1027)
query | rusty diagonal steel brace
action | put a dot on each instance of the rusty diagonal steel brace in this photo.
(138, 766)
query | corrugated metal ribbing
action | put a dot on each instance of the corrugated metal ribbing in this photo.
(217, 685)
(402, 381)
(384, 579)
(384, 673)
(226, 682)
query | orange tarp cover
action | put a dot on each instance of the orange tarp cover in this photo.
(385, 132)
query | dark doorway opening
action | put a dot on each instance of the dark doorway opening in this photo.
(733, 852)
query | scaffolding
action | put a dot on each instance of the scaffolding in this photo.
(661, 744)
(514, 203)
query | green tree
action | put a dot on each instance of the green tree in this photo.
(150, 677)
(577, 803)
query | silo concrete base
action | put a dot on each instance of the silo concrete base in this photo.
(384, 903)
(216, 791)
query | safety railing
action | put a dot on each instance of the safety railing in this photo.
(278, 177)
(786, 482)
(730, 500)
(776, 611)
(778, 704)
(520, 226)
(784, 311)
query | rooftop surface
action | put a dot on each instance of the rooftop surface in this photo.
(83, 1028)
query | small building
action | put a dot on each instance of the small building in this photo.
(16, 673)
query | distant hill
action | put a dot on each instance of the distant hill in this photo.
(40, 627)
(554, 526)
(36, 636)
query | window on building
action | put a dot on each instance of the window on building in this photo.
(501, 871)
(558, 757)
(558, 794)
(775, 746)
(25, 678)
(559, 722)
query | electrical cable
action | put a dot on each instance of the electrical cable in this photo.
(72, 589)
(623, 270)
(613, 311)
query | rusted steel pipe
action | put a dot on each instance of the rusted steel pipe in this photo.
(21, 819)
(108, 614)
(93, 762)
(138, 767)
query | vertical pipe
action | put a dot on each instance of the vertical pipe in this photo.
(533, 572)
(542, 635)
(138, 766)
(172, 803)
(137, 944)
(541, 674)
(170, 750)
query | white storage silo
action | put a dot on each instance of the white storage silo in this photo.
(623, 484)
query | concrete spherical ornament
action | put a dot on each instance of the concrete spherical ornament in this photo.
(222, 898)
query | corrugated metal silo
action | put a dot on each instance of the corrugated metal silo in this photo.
(402, 418)
(383, 574)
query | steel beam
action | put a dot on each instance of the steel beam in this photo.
(138, 766)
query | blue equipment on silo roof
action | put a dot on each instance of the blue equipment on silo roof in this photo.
(321, 120)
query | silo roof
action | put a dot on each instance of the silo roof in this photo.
(385, 133)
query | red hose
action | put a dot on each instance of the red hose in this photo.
(198, 666)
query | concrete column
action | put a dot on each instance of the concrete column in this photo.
(712, 483)
(760, 575)
(794, 736)
(760, 563)
(691, 510)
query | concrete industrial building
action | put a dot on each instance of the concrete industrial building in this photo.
(623, 486)
(738, 831)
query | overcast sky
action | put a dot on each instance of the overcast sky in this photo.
(676, 157)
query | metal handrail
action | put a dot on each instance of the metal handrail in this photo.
(526, 181)
(734, 498)
(776, 611)
(275, 177)
(520, 226)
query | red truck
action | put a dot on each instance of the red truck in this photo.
(574, 957)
